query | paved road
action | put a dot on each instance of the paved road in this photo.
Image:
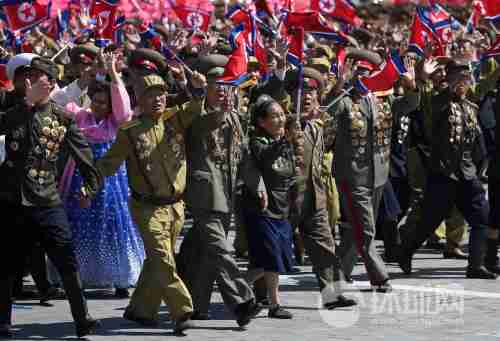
(437, 303)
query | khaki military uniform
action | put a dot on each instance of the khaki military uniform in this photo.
(156, 166)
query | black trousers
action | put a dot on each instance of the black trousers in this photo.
(494, 198)
(22, 228)
(440, 195)
(36, 264)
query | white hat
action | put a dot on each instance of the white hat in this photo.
(22, 59)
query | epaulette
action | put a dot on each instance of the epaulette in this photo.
(130, 124)
(318, 122)
(262, 139)
(170, 112)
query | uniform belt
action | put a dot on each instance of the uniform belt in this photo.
(151, 199)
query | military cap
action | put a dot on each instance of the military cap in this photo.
(320, 64)
(83, 53)
(46, 66)
(206, 63)
(149, 82)
(313, 79)
(148, 59)
(162, 30)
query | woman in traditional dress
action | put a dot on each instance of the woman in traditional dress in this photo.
(108, 247)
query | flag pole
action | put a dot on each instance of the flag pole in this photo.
(64, 48)
(337, 99)
(300, 84)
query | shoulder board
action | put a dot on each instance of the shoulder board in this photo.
(131, 124)
(261, 139)
(318, 122)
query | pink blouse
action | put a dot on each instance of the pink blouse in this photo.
(104, 130)
(97, 131)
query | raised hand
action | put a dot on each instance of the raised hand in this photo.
(429, 67)
(198, 80)
(408, 79)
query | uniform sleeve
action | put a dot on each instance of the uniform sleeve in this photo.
(189, 112)
(83, 156)
(404, 105)
(119, 152)
(265, 152)
(250, 175)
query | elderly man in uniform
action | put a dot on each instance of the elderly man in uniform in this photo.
(312, 215)
(362, 169)
(453, 176)
(214, 150)
(36, 130)
(153, 147)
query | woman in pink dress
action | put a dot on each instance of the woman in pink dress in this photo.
(108, 247)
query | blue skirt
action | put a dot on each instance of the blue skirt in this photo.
(108, 246)
(269, 243)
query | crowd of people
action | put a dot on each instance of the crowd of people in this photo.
(107, 148)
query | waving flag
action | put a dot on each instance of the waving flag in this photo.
(235, 71)
(444, 25)
(59, 24)
(295, 38)
(193, 18)
(104, 12)
(342, 10)
(316, 24)
(492, 10)
(423, 33)
(477, 12)
(22, 15)
(383, 80)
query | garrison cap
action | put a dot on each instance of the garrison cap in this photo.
(148, 59)
(320, 64)
(458, 69)
(83, 53)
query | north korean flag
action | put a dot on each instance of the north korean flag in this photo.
(236, 71)
(423, 33)
(104, 12)
(316, 24)
(22, 15)
(342, 10)
(193, 18)
(295, 37)
(5, 83)
(384, 79)
(492, 10)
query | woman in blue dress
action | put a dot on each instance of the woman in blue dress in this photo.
(108, 247)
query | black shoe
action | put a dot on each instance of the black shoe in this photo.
(122, 293)
(128, 315)
(349, 279)
(245, 312)
(404, 262)
(383, 288)
(494, 268)
(455, 253)
(87, 328)
(6, 331)
(390, 257)
(197, 316)
(265, 302)
(480, 273)
(341, 302)
(184, 323)
(279, 313)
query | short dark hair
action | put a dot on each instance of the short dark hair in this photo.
(96, 87)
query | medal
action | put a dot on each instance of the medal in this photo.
(33, 173)
(361, 150)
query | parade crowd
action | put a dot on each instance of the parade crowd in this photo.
(311, 156)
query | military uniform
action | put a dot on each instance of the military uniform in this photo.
(453, 178)
(362, 170)
(30, 204)
(154, 151)
(214, 151)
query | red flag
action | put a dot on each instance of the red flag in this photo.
(235, 71)
(5, 83)
(423, 33)
(22, 15)
(193, 18)
(105, 15)
(295, 38)
(383, 80)
(492, 9)
(264, 6)
(315, 23)
(342, 10)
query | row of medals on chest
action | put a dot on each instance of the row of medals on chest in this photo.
(52, 135)
(145, 146)
(382, 127)
(457, 128)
